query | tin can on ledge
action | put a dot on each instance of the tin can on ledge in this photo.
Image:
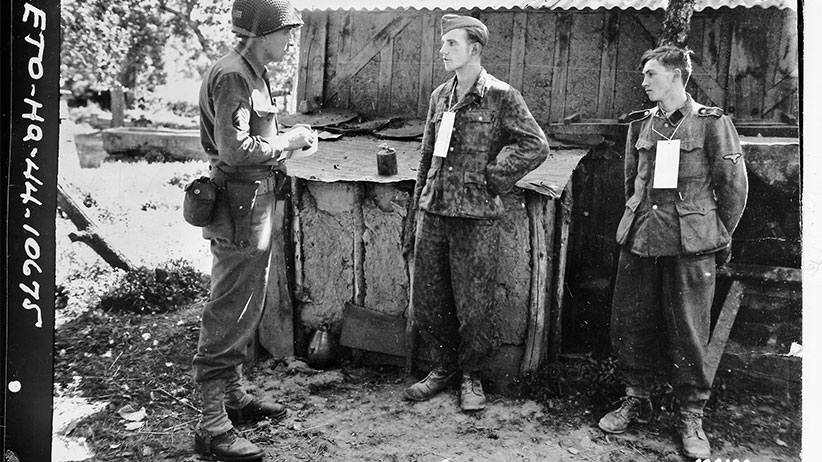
(386, 160)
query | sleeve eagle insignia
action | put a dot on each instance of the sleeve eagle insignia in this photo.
(732, 157)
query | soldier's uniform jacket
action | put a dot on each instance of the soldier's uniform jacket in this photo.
(468, 181)
(237, 119)
(699, 216)
(237, 114)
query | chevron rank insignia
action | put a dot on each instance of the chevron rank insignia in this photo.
(710, 111)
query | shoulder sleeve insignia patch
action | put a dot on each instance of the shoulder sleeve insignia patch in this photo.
(705, 111)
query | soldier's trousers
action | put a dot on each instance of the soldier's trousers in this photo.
(453, 288)
(661, 320)
(239, 279)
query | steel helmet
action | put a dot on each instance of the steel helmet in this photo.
(255, 18)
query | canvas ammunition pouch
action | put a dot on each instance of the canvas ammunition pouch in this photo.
(200, 199)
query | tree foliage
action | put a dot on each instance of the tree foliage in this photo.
(677, 23)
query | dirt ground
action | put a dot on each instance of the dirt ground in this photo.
(355, 412)
(123, 390)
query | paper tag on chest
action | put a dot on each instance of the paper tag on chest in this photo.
(666, 171)
(443, 141)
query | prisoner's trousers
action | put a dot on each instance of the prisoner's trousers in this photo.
(660, 321)
(453, 288)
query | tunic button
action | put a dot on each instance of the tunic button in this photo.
(665, 125)
(450, 168)
(479, 118)
(655, 207)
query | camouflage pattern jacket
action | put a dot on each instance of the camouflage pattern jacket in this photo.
(467, 182)
(700, 214)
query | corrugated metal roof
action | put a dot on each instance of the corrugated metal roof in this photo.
(323, 5)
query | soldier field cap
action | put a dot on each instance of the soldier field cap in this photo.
(453, 21)
(255, 18)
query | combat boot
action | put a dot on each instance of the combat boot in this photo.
(436, 381)
(228, 447)
(695, 443)
(243, 408)
(631, 410)
(256, 410)
(472, 398)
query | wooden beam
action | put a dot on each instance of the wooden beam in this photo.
(427, 41)
(722, 329)
(68, 199)
(359, 245)
(517, 63)
(365, 55)
(761, 273)
(560, 77)
(312, 61)
(564, 212)
(297, 234)
(276, 330)
(778, 93)
(700, 76)
(386, 74)
(608, 65)
(541, 211)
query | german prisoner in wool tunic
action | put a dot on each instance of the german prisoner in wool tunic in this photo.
(236, 119)
(457, 238)
(667, 270)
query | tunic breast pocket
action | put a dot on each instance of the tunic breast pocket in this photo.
(477, 128)
(692, 162)
(264, 114)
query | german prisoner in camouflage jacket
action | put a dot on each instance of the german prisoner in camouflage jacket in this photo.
(699, 216)
(468, 181)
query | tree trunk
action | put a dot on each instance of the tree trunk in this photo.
(118, 105)
(677, 23)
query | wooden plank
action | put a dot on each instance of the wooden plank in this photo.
(371, 330)
(276, 329)
(541, 240)
(561, 55)
(496, 55)
(428, 39)
(539, 64)
(652, 27)
(779, 93)
(779, 274)
(564, 213)
(341, 28)
(584, 64)
(628, 94)
(722, 329)
(312, 61)
(372, 47)
(384, 82)
(297, 234)
(359, 246)
(608, 65)
(406, 65)
(518, 39)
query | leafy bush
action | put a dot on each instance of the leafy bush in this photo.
(145, 290)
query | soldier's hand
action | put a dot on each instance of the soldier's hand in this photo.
(299, 137)
(723, 257)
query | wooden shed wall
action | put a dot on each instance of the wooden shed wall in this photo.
(564, 62)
